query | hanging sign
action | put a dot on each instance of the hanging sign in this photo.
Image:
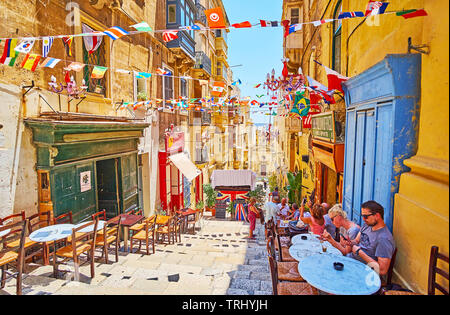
(322, 126)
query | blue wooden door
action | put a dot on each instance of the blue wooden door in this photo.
(359, 166)
(349, 167)
(369, 156)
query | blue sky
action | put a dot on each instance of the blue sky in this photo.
(258, 49)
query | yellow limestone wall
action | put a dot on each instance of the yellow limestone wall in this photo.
(421, 208)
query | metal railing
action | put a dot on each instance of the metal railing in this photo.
(202, 61)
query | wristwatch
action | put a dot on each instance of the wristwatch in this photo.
(357, 251)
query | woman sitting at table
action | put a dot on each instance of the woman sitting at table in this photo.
(316, 221)
(348, 229)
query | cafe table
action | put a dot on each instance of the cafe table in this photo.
(355, 278)
(299, 251)
(51, 233)
(90, 228)
(4, 232)
(185, 213)
(127, 220)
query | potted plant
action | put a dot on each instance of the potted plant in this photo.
(231, 209)
(200, 205)
(211, 196)
(295, 187)
(142, 96)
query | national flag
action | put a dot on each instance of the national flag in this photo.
(91, 43)
(49, 62)
(67, 42)
(348, 15)
(25, 45)
(376, 7)
(142, 27)
(30, 62)
(320, 22)
(257, 86)
(412, 13)
(335, 79)
(242, 25)
(163, 71)
(123, 71)
(265, 23)
(190, 28)
(75, 66)
(294, 28)
(115, 32)
(98, 72)
(170, 35)
(143, 75)
(236, 82)
(259, 96)
(316, 85)
(215, 18)
(47, 43)
(315, 97)
(217, 89)
(9, 54)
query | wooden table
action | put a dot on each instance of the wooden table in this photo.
(185, 214)
(127, 220)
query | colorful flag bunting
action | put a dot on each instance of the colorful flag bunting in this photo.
(92, 43)
(412, 13)
(47, 43)
(30, 62)
(265, 23)
(335, 79)
(238, 81)
(49, 62)
(123, 71)
(163, 72)
(320, 22)
(376, 7)
(143, 75)
(217, 89)
(190, 28)
(98, 72)
(215, 18)
(75, 66)
(257, 86)
(348, 15)
(115, 32)
(25, 46)
(142, 27)
(9, 54)
(67, 42)
(294, 28)
(170, 35)
(242, 25)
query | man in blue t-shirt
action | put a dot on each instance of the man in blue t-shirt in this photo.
(374, 243)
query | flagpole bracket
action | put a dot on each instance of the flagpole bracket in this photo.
(29, 87)
(418, 48)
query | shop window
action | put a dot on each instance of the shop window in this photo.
(183, 87)
(140, 89)
(172, 13)
(167, 87)
(337, 31)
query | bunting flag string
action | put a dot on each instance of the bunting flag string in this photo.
(116, 32)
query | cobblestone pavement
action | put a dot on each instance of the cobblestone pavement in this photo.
(217, 260)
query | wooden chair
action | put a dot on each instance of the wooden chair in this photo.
(79, 244)
(146, 234)
(110, 235)
(283, 251)
(288, 287)
(101, 215)
(192, 219)
(33, 249)
(390, 272)
(166, 231)
(135, 211)
(65, 218)
(9, 255)
(287, 271)
(139, 226)
(179, 222)
(433, 269)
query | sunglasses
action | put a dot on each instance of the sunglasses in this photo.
(365, 216)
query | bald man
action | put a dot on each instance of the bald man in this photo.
(283, 208)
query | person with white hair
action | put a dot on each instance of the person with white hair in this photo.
(349, 230)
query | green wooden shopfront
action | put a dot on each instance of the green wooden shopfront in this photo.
(87, 166)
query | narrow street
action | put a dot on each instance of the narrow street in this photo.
(217, 260)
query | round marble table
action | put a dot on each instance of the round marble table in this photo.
(355, 279)
(52, 233)
(4, 232)
(309, 238)
(90, 228)
(299, 251)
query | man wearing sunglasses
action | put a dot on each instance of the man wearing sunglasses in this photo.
(374, 243)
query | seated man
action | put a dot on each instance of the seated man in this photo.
(348, 229)
(295, 215)
(283, 209)
(374, 243)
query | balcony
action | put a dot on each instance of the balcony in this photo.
(200, 14)
(202, 61)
